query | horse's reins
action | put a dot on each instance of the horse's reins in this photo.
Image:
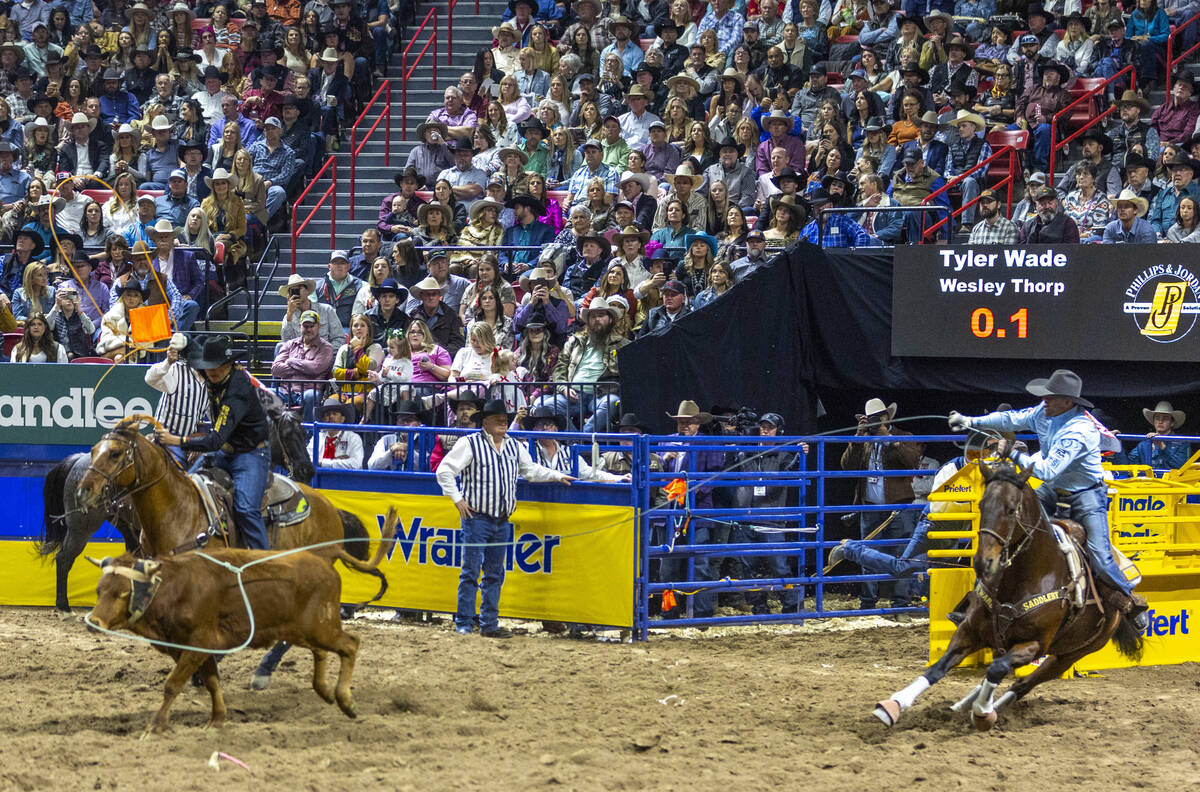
(130, 459)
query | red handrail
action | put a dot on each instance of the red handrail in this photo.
(1013, 169)
(406, 73)
(386, 113)
(1171, 46)
(330, 194)
(1099, 90)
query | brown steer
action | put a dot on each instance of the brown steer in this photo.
(191, 601)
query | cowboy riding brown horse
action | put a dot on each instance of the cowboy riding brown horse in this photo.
(1032, 598)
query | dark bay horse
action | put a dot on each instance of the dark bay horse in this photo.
(67, 526)
(1021, 607)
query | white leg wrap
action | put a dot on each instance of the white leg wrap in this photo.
(966, 700)
(1007, 697)
(983, 702)
(906, 697)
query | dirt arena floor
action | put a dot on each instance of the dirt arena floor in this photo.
(724, 710)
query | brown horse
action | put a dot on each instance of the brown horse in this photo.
(1021, 607)
(126, 464)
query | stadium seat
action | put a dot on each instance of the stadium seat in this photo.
(10, 342)
(104, 360)
(1084, 111)
(1018, 139)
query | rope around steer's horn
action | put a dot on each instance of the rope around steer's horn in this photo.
(138, 418)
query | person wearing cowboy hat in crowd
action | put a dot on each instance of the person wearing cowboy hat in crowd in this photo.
(593, 253)
(620, 463)
(1166, 205)
(297, 292)
(331, 90)
(387, 314)
(239, 440)
(392, 450)
(1130, 225)
(635, 188)
(878, 490)
(966, 150)
(1176, 118)
(934, 151)
(1137, 177)
(199, 175)
(545, 301)
(431, 155)
(533, 147)
(1154, 452)
(489, 463)
(84, 154)
(589, 356)
(635, 124)
(683, 188)
(117, 104)
(938, 26)
(555, 455)
(840, 230)
(443, 320)
(624, 45)
(779, 127)
(1130, 130)
(527, 231)
(466, 181)
(956, 70)
(453, 286)
(162, 157)
(1041, 30)
(339, 449)
(396, 219)
(179, 265)
(739, 180)
(1071, 442)
(1097, 147)
(14, 182)
(593, 167)
(1036, 107)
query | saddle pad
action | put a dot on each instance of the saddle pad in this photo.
(283, 502)
(206, 497)
(1075, 562)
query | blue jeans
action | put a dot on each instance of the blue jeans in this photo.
(587, 404)
(901, 527)
(250, 472)
(1089, 508)
(911, 561)
(1041, 147)
(276, 195)
(186, 312)
(475, 530)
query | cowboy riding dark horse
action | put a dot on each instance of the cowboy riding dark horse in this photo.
(1068, 464)
(239, 441)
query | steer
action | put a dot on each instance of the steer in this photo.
(191, 601)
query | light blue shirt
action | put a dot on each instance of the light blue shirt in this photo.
(632, 56)
(1069, 458)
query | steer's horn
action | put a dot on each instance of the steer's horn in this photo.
(100, 564)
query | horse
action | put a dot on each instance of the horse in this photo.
(67, 525)
(1022, 606)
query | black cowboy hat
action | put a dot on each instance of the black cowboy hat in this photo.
(838, 176)
(1038, 10)
(533, 123)
(1063, 382)
(390, 285)
(406, 173)
(39, 244)
(914, 69)
(465, 397)
(1064, 73)
(408, 407)
(786, 173)
(333, 403)
(133, 285)
(214, 353)
(526, 199)
(1182, 160)
(544, 412)
(1096, 134)
(493, 407)
(1135, 161)
(631, 419)
(729, 142)
(185, 147)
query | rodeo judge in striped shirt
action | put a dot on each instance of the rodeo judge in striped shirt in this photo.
(490, 463)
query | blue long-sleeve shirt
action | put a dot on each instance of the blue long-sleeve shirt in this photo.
(535, 233)
(121, 107)
(276, 166)
(1171, 456)
(1157, 28)
(840, 232)
(1069, 456)
(1141, 232)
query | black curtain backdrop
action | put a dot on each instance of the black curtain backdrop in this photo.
(816, 324)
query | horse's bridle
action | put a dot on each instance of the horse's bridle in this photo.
(1009, 555)
(129, 458)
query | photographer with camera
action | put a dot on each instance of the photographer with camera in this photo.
(296, 291)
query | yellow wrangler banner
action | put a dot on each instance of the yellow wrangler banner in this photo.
(570, 562)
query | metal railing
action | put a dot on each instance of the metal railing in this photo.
(330, 194)
(861, 210)
(1013, 169)
(1172, 59)
(1090, 96)
(406, 72)
(385, 116)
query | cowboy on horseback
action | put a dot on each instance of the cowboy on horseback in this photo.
(239, 439)
(1069, 466)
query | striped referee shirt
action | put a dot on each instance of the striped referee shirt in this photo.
(185, 399)
(561, 461)
(489, 475)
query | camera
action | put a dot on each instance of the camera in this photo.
(294, 291)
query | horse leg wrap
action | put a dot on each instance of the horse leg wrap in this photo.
(906, 697)
(983, 701)
(1006, 698)
(966, 701)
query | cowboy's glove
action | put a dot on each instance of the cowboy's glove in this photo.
(959, 422)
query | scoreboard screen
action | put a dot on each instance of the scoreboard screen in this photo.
(1072, 302)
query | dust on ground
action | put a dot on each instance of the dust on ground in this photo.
(729, 709)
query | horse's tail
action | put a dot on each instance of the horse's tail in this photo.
(353, 529)
(1128, 638)
(360, 564)
(54, 507)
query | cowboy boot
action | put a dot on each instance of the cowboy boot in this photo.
(959, 613)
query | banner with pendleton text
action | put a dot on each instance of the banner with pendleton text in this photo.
(53, 404)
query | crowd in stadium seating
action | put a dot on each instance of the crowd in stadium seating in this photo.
(147, 149)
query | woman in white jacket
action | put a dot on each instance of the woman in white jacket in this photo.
(115, 341)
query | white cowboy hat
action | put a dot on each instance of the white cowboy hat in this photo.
(160, 122)
(220, 175)
(876, 406)
(485, 203)
(967, 115)
(329, 55)
(296, 279)
(689, 409)
(1129, 196)
(685, 171)
(601, 304)
(641, 178)
(163, 226)
(429, 283)
(1165, 408)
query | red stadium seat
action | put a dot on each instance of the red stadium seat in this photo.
(10, 343)
(835, 79)
(1018, 139)
(103, 360)
(845, 40)
(1084, 111)
(645, 44)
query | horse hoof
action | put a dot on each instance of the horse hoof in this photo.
(984, 722)
(260, 681)
(888, 712)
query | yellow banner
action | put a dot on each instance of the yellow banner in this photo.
(570, 562)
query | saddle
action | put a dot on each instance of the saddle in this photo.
(283, 503)
(1071, 540)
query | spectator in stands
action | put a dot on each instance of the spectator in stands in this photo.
(1097, 147)
(276, 163)
(967, 150)
(1130, 130)
(527, 230)
(94, 307)
(339, 288)
(1175, 119)
(145, 209)
(1129, 227)
(296, 292)
(1187, 221)
(1149, 27)
(467, 182)
(70, 214)
(232, 116)
(354, 360)
(454, 116)
(1087, 205)
(37, 344)
(156, 162)
(911, 185)
(1137, 177)
(720, 280)
(13, 182)
(1050, 224)
(993, 228)
(84, 154)
(431, 156)
(589, 357)
(198, 174)
(545, 302)
(779, 126)
(226, 218)
(40, 224)
(391, 452)
(1183, 172)
(178, 265)
(442, 320)
(840, 231)
(309, 357)
(72, 328)
(387, 314)
(1155, 453)
(175, 204)
(381, 270)
(370, 248)
(674, 307)
(117, 104)
(1036, 107)
(756, 255)
(593, 167)
(738, 178)
(35, 295)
